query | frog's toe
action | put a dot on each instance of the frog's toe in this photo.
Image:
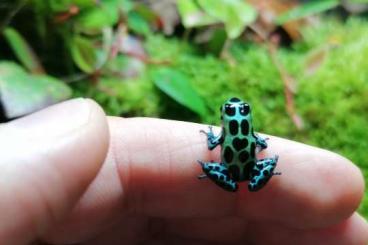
(210, 131)
(200, 163)
(276, 158)
(203, 132)
(202, 176)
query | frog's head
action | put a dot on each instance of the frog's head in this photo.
(235, 107)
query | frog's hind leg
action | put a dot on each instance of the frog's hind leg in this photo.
(262, 172)
(219, 174)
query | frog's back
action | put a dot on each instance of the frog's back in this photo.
(239, 145)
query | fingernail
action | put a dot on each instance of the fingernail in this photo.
(55, 120)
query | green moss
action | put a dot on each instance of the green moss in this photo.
(122, 97)
(334, 101)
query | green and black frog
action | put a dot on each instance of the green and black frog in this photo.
(239, 146)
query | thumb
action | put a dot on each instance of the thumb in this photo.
(47, 160)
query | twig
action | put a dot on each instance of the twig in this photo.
(146, 60)
(288, 87)
(285, 77)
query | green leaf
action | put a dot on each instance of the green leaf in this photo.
(307, 9)
(83, 54)
(235, 14)
(57, 6)
(103, 15)
(240, 15)
(146, 13)
(22, 93)
(192, 15)
(176, 85)
(23, 51)
(138, 24)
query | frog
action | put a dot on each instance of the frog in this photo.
(239, 147)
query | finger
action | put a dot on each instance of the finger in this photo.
(352, 231)
(136, 230)
(130, 230)
(151, 170)
(44, 166)
(222, 230)
(157, 164)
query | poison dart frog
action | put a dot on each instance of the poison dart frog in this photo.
(239, 145)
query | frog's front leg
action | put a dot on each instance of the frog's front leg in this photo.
(261, 142)
(212, 139)
(262, 172)
(219, 174)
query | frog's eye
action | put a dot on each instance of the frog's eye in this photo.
(229, 110)
(244, 109)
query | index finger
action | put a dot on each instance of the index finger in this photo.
(151, 170)
(156, 161)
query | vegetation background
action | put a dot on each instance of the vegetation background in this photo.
(301, 64)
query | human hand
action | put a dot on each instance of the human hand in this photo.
(69, 176)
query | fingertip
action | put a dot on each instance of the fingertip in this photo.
(87, 148)
(317, 187)
(93, 143)
(49, 159)
(343, 189)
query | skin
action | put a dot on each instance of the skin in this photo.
(69, 175)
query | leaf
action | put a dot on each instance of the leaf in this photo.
(166, 11)
(235, 14)
(83, 54)
(306, 9)
(176, 85)
(192, 15)
(314, 60)
(355, 7)
(22, 93)
(147, 14)
(317, 57)
(23, 51)
(138, 24)
(103, 15)
(268, 11)
(57, 6)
